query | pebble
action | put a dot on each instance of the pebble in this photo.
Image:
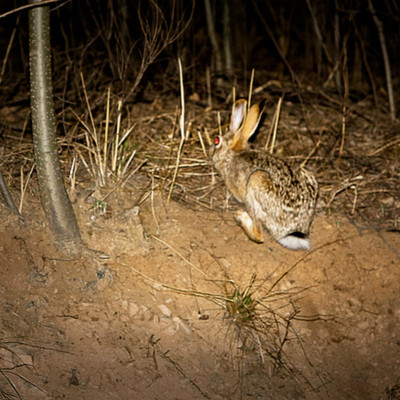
(165, 310)
(133, 309)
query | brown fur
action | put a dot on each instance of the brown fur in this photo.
(271, 193)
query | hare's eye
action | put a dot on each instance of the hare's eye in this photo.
(217, 141)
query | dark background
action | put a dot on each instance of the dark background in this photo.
(108, 38)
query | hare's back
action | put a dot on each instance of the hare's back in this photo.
(288, 183)
(282, 197)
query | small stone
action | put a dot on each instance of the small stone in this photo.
(165, 310)
(133, 309)
(25, 359)
(182, 324)
(225, 263)
(364, 325)
(172, 329)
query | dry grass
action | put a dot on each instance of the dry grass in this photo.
(355, 154)
(108, 148)
(14, 369)
(259, 318)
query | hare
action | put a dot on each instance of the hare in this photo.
(271, 194)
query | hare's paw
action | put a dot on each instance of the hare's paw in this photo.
(252, 228)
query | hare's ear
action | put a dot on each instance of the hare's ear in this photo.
(241, 137)
(253, 119)
(239, 110)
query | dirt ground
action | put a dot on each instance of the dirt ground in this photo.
(157, 306)
(170, 300)
(142, 315)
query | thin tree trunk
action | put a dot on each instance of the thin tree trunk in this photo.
(57, 207)
(337, 37)
(213, 37)
(274, 41)
(7, 196)
(321, 46)
(366, 64)
(227, 38)
(386, 61)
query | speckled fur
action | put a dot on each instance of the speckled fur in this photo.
(271, 191)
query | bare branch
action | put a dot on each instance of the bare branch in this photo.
(29, 6)
(158, 33)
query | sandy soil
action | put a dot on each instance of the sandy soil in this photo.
(143, 314)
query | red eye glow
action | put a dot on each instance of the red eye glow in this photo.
(217, 141)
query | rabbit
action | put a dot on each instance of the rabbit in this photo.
(271, 194)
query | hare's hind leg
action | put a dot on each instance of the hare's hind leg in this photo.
(253, 228)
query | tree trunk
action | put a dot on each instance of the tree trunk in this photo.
(386, 62)
(213, 39)
(57, 207)
(7, 196)
(227, 22)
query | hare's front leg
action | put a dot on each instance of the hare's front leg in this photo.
(253, 228)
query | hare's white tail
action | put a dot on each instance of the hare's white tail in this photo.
(296, 242)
